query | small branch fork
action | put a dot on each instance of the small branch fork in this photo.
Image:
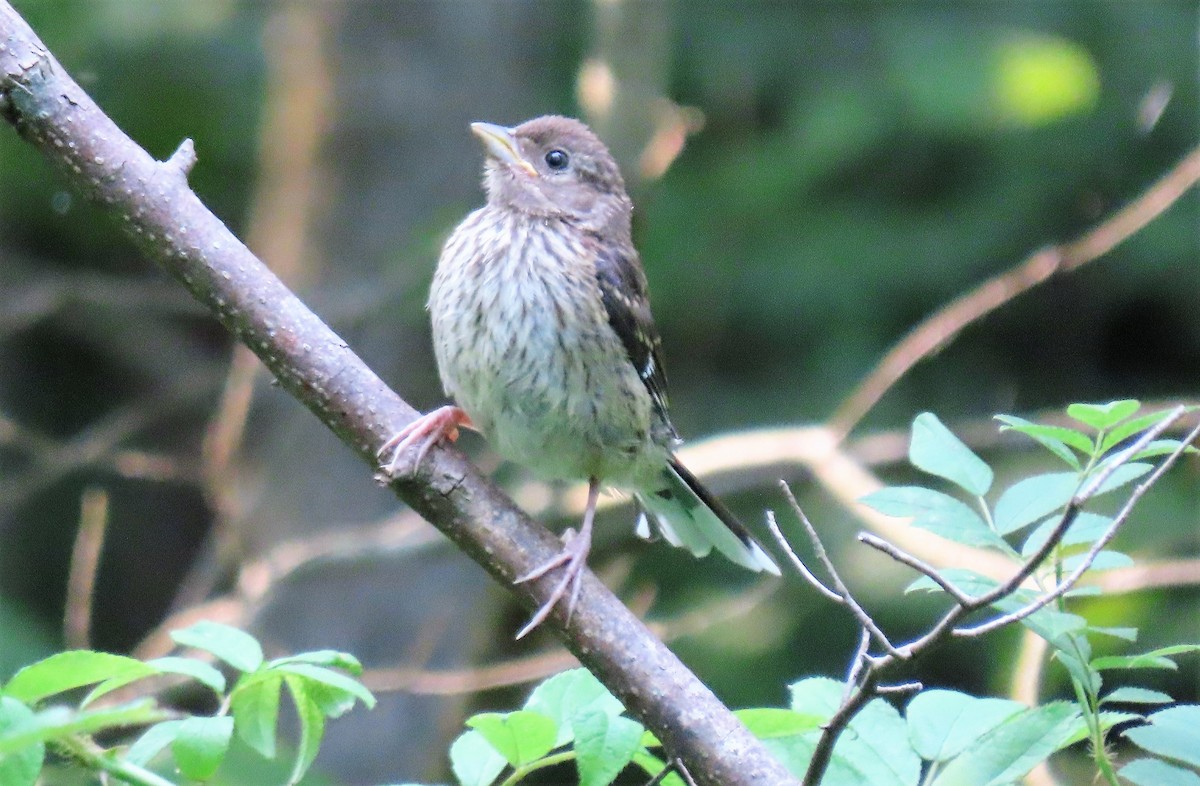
(867, 675)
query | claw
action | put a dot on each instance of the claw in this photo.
(423, 433)
(573, 560)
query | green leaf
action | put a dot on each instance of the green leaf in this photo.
(939, 513)
(1152, 772)
(1108, 719)
(942, 723)
(1132, 695)
(1121, 476)
(235, 647)
(1173, 733)
(187, 667)
(152, 742)
(255, 709)
(312, 726)
(1155, 659)
(1127, 429)
(331, 678)
(1030, 499)
(1125, 634)
(1009, 751)
(474, 761)
(879, 747)
(768, 722)
(652, 765)
(69, 670)
(200, 745)
(1103, 416)
(520, 737)
(604, 745)
(816, 696)
(1086, 528)
(57, 722)
(1083, 673)
(937, 451)
(568, 694)
(22, 766)
(1056, 439)
(331, 659)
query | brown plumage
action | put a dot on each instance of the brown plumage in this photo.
(544, 337)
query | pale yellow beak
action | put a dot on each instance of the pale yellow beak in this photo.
(501, 145)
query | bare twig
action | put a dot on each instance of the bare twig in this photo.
(169, 223)
(85, 563)
(923, 568)
(783, 543)
(942, 326)
(843, 592)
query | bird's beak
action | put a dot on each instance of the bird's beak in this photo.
(501, 145)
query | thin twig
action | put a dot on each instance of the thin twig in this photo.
(846, 599)
(898, 554)
(797, 563)
(85, 563)
(940, 328)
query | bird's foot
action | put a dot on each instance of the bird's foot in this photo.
(573, 560)
(395, 457)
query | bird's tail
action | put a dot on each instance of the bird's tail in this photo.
(689, 516)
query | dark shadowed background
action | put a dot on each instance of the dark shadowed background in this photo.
(811, 180)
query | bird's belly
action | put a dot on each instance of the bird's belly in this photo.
(545, 385)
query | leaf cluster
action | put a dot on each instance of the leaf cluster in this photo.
(34, 716)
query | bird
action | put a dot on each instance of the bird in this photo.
(544, 339)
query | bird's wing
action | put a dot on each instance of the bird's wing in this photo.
(623, 291)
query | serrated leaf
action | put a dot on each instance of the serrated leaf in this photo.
(1012, 749)
(1121, 476)
(942, 723)
(237, 648)
(768, 722)
(187, 667)
(22, 766)
(152, 742)
(520, 737)
(200, 745)
(936, 450)
(1173, 733)
(331, 659)
(1057, 439)
(936, 512)
(1124, 431)
(1155, 659)
(331, 678)
(1086, 528)
(1152, 772)
(1133, 695)
(255, 710)
(568, 694)
(312, 726)
(1104, 416)
(604, 745)
(1030, 499)
(474, 761)
(68, 670)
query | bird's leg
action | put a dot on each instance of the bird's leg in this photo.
(424, 433)
(573, 559)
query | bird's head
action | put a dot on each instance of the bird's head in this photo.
(552, 167)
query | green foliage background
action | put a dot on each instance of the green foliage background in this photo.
(859, 165)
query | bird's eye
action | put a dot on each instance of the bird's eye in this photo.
(557, 160)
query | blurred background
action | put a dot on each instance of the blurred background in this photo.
(811, 180)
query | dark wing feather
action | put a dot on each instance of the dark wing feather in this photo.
(623, 290)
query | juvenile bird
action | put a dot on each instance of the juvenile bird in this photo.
(544, 337)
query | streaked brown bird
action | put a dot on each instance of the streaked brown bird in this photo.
(544, 337)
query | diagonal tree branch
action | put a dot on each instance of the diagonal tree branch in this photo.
(157, 209)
